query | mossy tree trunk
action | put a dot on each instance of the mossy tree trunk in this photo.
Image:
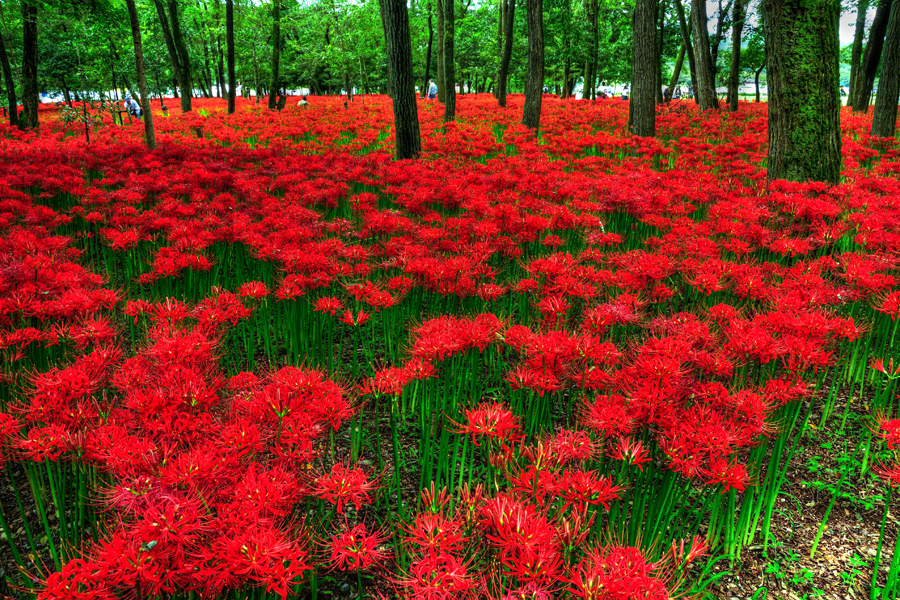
(804, 98)
(884, 122)
(865, 76)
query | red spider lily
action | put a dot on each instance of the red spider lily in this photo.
(580, 489)
(440, 577)
(389, 381)
(328, 305)
(573, 446)
(890, 473)
(361, 318)
(698, 547)
(617, 572)
(631, 452)
(253, 289)
(433, 534)
(492, 421)
(889, 370)
(356, 549)
(344, 485)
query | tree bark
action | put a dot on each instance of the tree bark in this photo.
(884, 121)
(441, 80)
(856, 52)
(425, 85)
(10, 84)
(756, 79)
(229, 40)
(276, 52)
(661, 9)
(802, 51)
(706, 74)
(717, 39)
(30, 100)
(534, 83)
(591, 77)
(865, 78)
(149, 134)
(689, 47)
(734, 77)
(449, 61)
(676, 72)
(187, 87)
(509, 15)
(406, 116)
(173, 52)
(642, 103)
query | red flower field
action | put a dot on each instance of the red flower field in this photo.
(266, 360)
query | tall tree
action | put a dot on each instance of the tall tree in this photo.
(688, 46)
(642, 103)
(734, 77)
(449, 61)
(441, 83)
(856, 53)
(802, 49)
(10, 84)
(509, 17)
(30, 99)
(884, 121)
(865, 77)
(706, 72)
(427, 78)
(534, 82)
(676, 72)
(149, 134)
(720, 34)
(229, 40)
(174, 57)
(184, 57)
(406, 116)
(276, 52)
(660, 41)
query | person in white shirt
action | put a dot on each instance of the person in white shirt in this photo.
(134, 109)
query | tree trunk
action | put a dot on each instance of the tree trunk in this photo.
(229, 41)
(676, 72)
(885, 119)
(802, 51)
(30, 100)
(180, 82)
(441, 80)
(661, 10)
(347, 87)
(865, 78)
(734, 77)
(856, 53)
(689, 47)
(187, 87)
(642, 103)
(756, 79)
(534, 82)
(65, 88)
(706, 75)
(509, 15)
(717, 40)
(425, 85)
(276, 52)
(449, 61)
(406, 116)
(149, 134)
(10, 84)
(591, 67)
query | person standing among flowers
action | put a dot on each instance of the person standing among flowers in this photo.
(134, 109)
(432, 89)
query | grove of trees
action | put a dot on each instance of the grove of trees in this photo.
(88, 49)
